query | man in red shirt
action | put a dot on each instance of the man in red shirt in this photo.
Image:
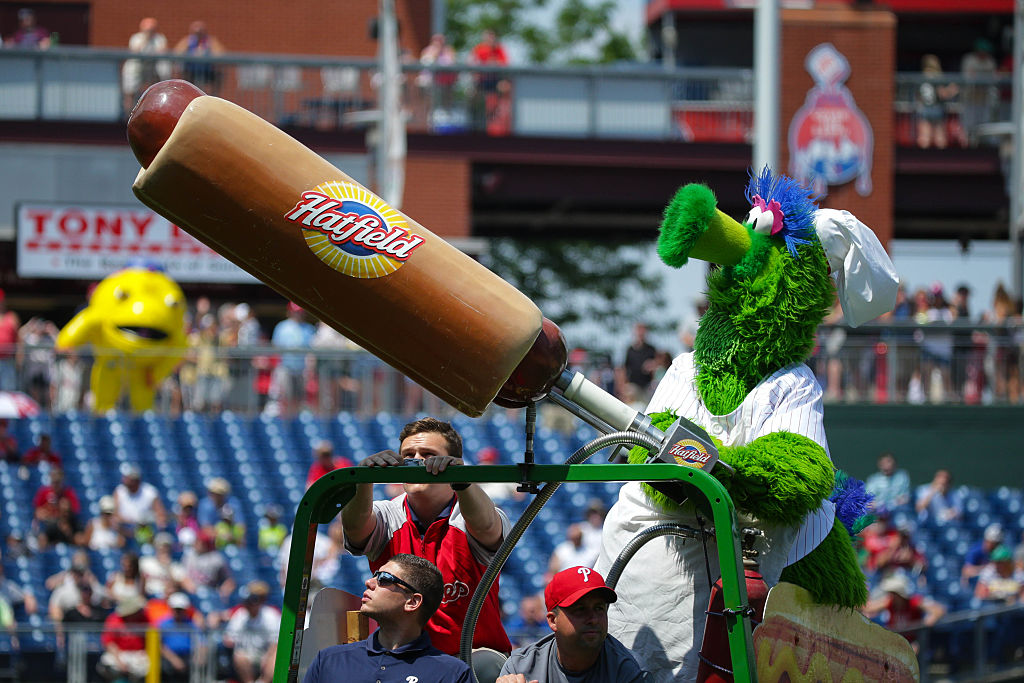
(42, 453)
(324, 461)
(489, 51)
(493, 102)
(124, 641)
(45, 503)
(456, 527)
(900, 606)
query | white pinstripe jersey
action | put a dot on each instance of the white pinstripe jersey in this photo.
(663, 591)
(788, 400)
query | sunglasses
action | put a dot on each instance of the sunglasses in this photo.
(389, 579)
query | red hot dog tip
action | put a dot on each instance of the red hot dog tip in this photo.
(156, 114)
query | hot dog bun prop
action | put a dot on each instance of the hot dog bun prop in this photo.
(279, 211)
(800, 640)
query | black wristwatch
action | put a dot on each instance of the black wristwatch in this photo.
(460, 486)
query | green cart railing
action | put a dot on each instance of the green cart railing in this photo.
(325, 498)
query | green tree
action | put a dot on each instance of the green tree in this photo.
(582, 32)
(602, 284)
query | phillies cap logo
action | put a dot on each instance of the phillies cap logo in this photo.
(690, 453)
(586, 573)
(830, 138)
(353, 231)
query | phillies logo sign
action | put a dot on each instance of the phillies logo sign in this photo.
(690, 453)
(830, 139)
(453, 591)
(353, 231)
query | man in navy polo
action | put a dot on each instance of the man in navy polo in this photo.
(401, 596)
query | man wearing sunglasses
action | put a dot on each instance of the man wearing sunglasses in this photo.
(401, 597)
(456, 527)
(579, 649)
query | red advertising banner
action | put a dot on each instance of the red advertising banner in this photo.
(78, 241)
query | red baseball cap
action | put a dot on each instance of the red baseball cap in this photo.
(569, 585)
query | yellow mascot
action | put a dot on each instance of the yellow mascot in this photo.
(135, 322)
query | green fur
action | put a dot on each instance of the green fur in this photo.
(762, 315)
(779, 477)
(687, 217)
(830, 572)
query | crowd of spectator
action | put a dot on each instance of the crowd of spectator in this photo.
(932, 348)
(172, 569)
(914, 581)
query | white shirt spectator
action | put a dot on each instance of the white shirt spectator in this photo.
(136, 508)
(254, 635)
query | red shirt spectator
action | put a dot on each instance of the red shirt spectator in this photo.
(878, 538)
(900, 606)
(8, 444)
(124, 641)
(42, 453)
(47, 497)
(489, 51)
(325, 461)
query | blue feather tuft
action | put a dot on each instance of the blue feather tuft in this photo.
(852, 502)
(798, 205)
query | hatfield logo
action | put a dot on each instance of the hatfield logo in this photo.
(353, 231)
(690, 453)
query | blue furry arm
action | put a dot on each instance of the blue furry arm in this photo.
(780, 477)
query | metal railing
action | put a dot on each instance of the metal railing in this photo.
(48, 652)
(873, 364)
(960, 646)
(633, 102)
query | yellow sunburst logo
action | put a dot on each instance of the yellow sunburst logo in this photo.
(353, 231)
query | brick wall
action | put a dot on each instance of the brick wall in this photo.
(867, 38)
(308, 27)
(437, 194)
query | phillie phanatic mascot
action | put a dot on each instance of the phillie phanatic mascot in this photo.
(747, 385)
(135, 322)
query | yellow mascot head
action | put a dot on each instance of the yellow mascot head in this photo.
(135, 322)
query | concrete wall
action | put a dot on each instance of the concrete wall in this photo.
(981, 446)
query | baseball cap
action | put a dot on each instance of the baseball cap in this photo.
(487, 455)
(130, 604)
(569, 585)
(179, 601)
(994, 532)
(898, 584)
(218, 485)
(1001, 554)
(129, 471)
(107, 504)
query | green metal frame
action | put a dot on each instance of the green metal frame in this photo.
(330, 493)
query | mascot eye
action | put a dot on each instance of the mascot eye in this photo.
(121, 294)
(763, 223)
(751, 218)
